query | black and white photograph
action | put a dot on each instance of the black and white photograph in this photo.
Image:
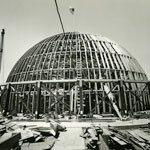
(74, 74)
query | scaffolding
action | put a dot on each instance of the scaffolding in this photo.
(47, 73)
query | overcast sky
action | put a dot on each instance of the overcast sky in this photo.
(29, 21)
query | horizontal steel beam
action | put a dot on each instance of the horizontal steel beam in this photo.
(73, 81)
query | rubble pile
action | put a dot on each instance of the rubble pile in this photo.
(14, 137)
(131, 139)
(92, 136)
(112, 138)
(8, 139)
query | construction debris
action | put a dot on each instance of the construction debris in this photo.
(133, 139)
(8, 139)
(141, 114)
(15, 137)
(92, 137)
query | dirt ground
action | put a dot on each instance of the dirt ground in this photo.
(71, 140)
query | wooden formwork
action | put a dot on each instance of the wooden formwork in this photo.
(63, 61)
(43, 97)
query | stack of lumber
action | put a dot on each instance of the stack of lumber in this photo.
(135, 139)
(8, 139)
(14, 137)
(141, 114)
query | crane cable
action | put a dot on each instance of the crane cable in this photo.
(2, 55)
(59, 16)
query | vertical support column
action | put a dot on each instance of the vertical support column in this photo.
(19, 104)
(135, 103)
(144, 99)
(49, 100)
(63, 105)
(63, 100)
(7, 99)
(148, 99)
(45, 103)
(104, 104)
(148, 84)
(37, 112)
(56, 99)
(81, 98)
(96, 98)
(75, 101)
(130, 102)
(33, 103)
(90, 102)
(122, 97)
(13, 101)
(49, 104)
(110, 108)
(28, 100)
(0, 99)
(16, 103)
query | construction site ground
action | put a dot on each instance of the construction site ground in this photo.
(71, 139)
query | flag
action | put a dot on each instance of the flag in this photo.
(71, 9)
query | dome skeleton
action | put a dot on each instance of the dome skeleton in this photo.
(75, 59)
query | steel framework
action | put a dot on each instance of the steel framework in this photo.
(67, 72)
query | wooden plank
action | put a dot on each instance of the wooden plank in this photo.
(86, 59)
(104, 103)
(135, 135)
(90, 101)
(108, 45)
(53, 59)
(100, 76)
(117, 140)
(104, 47)
(137, 145)
(46, 145)
(143, 135)
(100, 51)
(102, 145)
(119, 57)
(33, 103)
(106, 61)
(7, 141)
(116, 62)
(125, 60)
(117, 49)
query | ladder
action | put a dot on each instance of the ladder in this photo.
(78, 66)
(78, 98)
(75, 99)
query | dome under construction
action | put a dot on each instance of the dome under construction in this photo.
(79, 73)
